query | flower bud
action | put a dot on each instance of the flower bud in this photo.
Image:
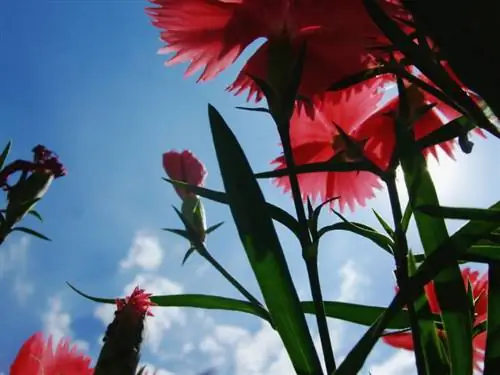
(194, 212)
(122, 341)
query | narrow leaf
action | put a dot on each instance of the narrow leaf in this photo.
(214, 227)
(379, 239)
(31, 232)
(492, 354)
(276, 212)
(35, 214)
(258, 235)
(384, 224)
(180, 232)
(4, 154)
(461, 213)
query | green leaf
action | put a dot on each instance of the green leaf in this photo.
(4, 154)
(447, 132)
(492, 354)
(448, 283)
(180, 232)
(428, 65)
(327, 166)
(379, 239)
(356, 358)
(349, 312)
(258, 235)
(31, 232)
(252, 109)
(384, 224)
(364, 314)
(434, 354)
(461, 213)
(190, 251)
(276, 212)
(200, 301)
(214, 227)
(405, 222)
(35, 214)
(464, 238)
(358, 78)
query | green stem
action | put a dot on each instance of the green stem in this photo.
(305, 241)
(205, 254)
(401, 258)
(326, 344)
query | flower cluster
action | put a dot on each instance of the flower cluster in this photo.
(479, 285)
(341, 41)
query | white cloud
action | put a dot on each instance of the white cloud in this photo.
(164, 317)
(13, 260)
(157, 371)
(14, 256)
(145, 253)
(187, 348)
(57, 323)
(23, 289)
(401, 363)
(351, 282)
(260, 353)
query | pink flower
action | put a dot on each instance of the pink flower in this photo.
(211, 35)
(366, 112)
(316, 140)
(184, 166)
(379, 129)
(139, 300)
(480, 294)
(36, 357)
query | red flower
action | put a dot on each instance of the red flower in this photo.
(184, 166)
(480, 293)
(212, 34)
(36, 357)
(379, 132)
(139, 300)
(316, 140)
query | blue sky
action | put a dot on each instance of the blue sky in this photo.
(84, 79)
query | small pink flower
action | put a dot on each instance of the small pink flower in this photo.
(480, 293)
(184, 166)
(139, 300)
(316, 139)
(36, 357)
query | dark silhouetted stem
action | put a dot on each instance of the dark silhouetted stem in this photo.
(311, 260)
(402, 275)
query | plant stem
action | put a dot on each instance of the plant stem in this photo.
(205, 254)
(317, 295)
(401, 258)
(305, 241)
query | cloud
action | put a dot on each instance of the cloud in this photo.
(14, 256)
(23, 289)
(401, 363)
(351, 282)
(145, 253)
(163, 319)
(57, 323)
(260, 353)
(155, 370)
(13, 260)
